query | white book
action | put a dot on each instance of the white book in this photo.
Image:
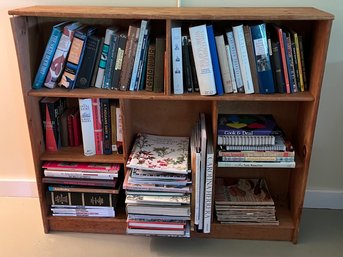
(143, 30)
(202, 170)
(224, 64)
(208, 185)
(158, 210)
(177, 60)
(232, 73)
(103, 60)
(202, 60)
(235, 62)
(243, 58)
(256, 164)
(86, 116)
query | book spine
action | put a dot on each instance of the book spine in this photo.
(279, 74)
(87, 126)
(222, 164)
(159, 65)
(76, 128)
(262, 59)
(208, 186)
(187, 69)
(177, 60)
(224, 64)
(48, 56)
(106, 126)
(119, 61)
(78, 174)
(64, 129)
(119, 123)
(110, 63)
(70, 130)
(302, 58)
(290, 62)
(215, 62)
(235, 62)
(144, 24)
(97, 62)
(113, 106)
(142, 61)
(255, 159)
(129, 57)
(276, 147)
(194, 72)
(80, 182)
(50, 126)
(60, 56)
(283, 59)
(102, 64)
(256, 153)
(97, 124)
(202, 60)
(232, 72)
(243, 59)
(297, 49)
(149, 84)
(88, 63)
(246, 140)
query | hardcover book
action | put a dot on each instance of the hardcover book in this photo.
(177, 60)
(160, 153)
(159, 62)
(87, 126)
(247, 124)
(82, 166)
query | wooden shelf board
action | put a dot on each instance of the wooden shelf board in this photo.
(284, 231)
(143, 95)
(206, 13)
(75, 154)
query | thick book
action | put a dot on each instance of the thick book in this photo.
(87, 126)
(75, 57)
(88, 64)
(177, 60)
(243, 59)
(215, 61)
(60, 56)
(159, 63)
(129, 57)
(160, 153)
(48, 55)
(202, 60)
(262, 58)
(119, 61)
(247, 124)
(224, 64)
(103, 60)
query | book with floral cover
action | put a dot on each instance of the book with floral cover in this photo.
(160, 153)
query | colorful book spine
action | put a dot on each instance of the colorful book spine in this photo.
(177, 60)
(224, 64)
(102, 64)
(300, 68)
(149, 84)
(110, 63)
(202, 60)
(262, 58)
(119, 61)
(232, 72)
(119, 122)
(106, 126)
(223, 164)
(289, 61)
(97, 123)
(60, 56)
(143, 60)
(48, 55)
(113, 107)
(87, 126)
(243, 59)
(215, 61)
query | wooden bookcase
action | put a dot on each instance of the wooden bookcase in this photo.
(168, 114)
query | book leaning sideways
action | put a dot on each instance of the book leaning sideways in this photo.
(160, 153)
(48, 55)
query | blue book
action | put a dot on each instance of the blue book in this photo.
(215, 61)
(262, 59)
(288, 62)
(48, 55)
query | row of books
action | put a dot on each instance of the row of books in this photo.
(251, 140)
(95, 123)
(260, 58)
(158, 186)
(82, 189)
(75, 57)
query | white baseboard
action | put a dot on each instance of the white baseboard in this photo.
(18, 188)
(324, 199)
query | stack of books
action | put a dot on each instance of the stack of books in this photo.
(248, 140)
(244, 201)
(158, 186)
(82, 189)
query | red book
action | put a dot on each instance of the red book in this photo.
(70, 128)
(98, 134)
(76, 127)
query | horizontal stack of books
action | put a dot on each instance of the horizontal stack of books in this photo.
(158, 186)
(248, 140)
(82, 189)
(244, 201)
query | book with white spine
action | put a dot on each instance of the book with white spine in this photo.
(177, 60)
(224, 64)
(232, 72)
(202, 60)
(87, 126)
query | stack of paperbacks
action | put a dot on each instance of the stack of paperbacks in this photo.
(244, 201)
(82, 189)
(250, 140)
(158, 186)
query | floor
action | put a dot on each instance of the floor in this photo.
(21, 234)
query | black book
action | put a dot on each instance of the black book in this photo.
(280, 85)
(159, 65)
(97, 60)
(106, 126)
(187, 69)
(194, 72)
(119, 61)
(88, 63)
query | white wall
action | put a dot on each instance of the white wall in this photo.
(325, 170)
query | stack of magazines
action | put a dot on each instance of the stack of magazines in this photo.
(158, 186)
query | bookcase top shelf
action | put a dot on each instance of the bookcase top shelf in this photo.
(183, 13)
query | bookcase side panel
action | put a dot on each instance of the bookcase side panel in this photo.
(24, 31)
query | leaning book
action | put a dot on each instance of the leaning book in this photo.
(160, 153)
